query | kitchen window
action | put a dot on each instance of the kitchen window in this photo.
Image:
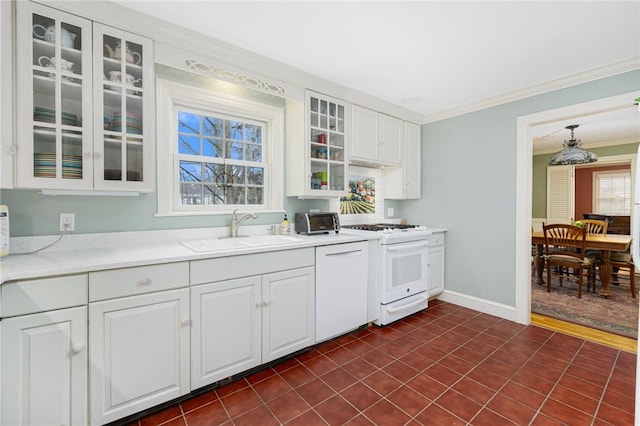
(217, 152)
(612, 193)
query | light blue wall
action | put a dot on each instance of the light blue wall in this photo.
(468, 186)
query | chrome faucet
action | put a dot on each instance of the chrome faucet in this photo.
(235, 222)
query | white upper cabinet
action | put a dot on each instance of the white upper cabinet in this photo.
(377, 137)
(71, 134)
(404, 182)
(317, 134)
(123, 110)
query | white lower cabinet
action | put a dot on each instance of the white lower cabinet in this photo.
(226, 329)
(288, 316)
(435, 264)
(242, 323)
(139, 349)
(44, 368)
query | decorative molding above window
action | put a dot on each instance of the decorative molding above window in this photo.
(236, 77)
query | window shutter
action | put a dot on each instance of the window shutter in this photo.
(560, 191)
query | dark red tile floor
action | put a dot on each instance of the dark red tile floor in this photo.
(446, 365)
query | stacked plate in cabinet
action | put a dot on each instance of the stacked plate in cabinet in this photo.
(48, 115)
(44, 165)
(133, 122)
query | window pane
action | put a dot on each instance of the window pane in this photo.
(188, 145)
(234, 150)
(191, 193)
(214, 195)
(233, 130)
(253, 133)
(188, 123)
(212, 126)
(190, 171)
(235, 195)
(212, 171)
(254, 153)
(238, 173)
(213, 148)
(254, 195)
(255, 176)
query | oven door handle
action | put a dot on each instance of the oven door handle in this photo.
(407, 306)
(396, 247)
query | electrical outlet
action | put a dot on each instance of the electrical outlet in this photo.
(67, 222)
(389, 211)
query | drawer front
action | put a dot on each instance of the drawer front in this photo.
(436, 239)
(31, 296)
(226, 268)
(137, 280)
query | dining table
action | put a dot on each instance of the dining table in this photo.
(606, 243)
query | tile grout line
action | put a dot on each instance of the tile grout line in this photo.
(604, 389)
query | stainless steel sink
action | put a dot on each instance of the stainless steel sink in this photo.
(239, 243)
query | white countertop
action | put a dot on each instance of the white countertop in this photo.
(93, 252)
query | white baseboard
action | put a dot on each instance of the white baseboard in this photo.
(481, 305)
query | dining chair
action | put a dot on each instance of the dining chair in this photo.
(621, 260)
(594, 226)
(565, 247)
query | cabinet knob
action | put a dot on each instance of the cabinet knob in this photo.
(87, 155)
(145, 281)
(11, 149)
(78, 347)
(97, 155)
(186, 322)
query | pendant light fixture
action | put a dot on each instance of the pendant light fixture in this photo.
(572, 153)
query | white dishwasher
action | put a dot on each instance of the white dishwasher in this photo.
(341, 288)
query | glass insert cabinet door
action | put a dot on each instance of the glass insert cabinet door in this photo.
(123, 87)
(326, 140)
(54, 94)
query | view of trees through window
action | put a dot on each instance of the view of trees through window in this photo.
(220, 160)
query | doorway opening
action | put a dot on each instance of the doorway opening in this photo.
(524, 181)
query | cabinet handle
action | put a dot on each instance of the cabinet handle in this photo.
(11, 149)
(259, 304)
(266, 303)
(97, 156)
(345, 253)
(87, 155)
(145, 281)
(186, 322)
(78, 347)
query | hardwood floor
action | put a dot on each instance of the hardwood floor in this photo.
(593, 335)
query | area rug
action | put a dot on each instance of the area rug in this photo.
(616, 314)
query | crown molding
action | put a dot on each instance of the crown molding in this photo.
(615, 68)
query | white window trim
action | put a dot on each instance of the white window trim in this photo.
(596, 187)
(170, 95)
